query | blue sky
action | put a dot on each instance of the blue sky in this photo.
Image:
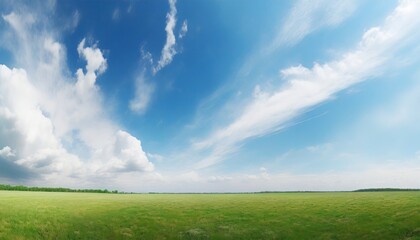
(210, 95)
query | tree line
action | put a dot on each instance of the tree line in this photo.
(52, 189)
(386, 189)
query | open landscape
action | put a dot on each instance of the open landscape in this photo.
(333, 215)
(211, 119)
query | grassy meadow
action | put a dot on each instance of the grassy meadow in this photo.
(347, 215)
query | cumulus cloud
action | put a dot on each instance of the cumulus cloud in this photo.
(168, 51)
(126, 155)
(6, 152)
(53, 125)
(27, 130)
(307, 87)
(96, 64)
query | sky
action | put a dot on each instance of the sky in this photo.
(210, 96)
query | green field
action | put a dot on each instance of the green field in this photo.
(350, 215)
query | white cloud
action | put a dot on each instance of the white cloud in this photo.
(184, 29)
(58, 126)
(168, 51)
(27, 130)
(306, 87)
(143, 94)
(94, 57)
(96, 65)
(146, 56)
(308, 16)
(304, 17)
(145, 89)
(126, 155)
(6, 152)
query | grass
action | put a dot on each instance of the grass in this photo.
(347, 215)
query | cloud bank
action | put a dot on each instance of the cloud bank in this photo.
(54, 125)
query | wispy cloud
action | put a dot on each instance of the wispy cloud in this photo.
(143, 94)
(304, 17)
(143, 84)
(168, 51)
(72, 23)
(116, 14)
(306, 87)
(308, 16)
(184, 29)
